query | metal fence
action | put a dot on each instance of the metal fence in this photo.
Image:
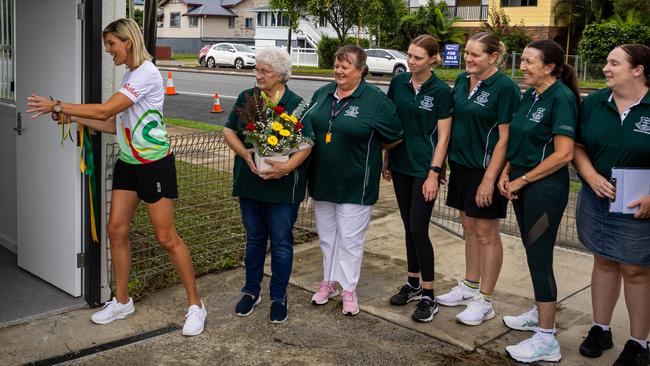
(206, 215)
(449, 219)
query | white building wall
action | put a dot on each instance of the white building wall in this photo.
(184, 31)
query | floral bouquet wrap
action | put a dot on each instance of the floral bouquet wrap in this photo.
(274, 133)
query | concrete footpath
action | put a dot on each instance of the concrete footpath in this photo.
(379, 335)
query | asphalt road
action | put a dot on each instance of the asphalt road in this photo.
(196, 90)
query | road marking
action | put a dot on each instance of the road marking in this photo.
(207, 95)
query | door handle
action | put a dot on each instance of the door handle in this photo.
(19, 124)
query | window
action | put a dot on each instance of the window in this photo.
(6, 54)
(194, 22)
(249, 23)
(518, 2)
(322, 22)
(261, 19)
(174, 20)
(371, 53)
(231, 22)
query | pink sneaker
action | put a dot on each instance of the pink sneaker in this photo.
(326, 291)
(350, 304)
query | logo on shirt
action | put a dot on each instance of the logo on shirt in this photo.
(482, 98)
(352, 111)
(131, 90)
(643, 125)
(427, 103)
(538, 115)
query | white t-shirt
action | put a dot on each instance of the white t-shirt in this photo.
(141, 133)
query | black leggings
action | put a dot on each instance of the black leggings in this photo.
(539, 211)
(416, 214)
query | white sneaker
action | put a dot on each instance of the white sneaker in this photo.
(535, 349)
(459, 295)
(477, 311)
(195, 318)
(113, 310)
(525, 321)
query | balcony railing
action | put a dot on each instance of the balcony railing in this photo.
(468, 13)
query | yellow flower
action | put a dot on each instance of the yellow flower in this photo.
(285, 133)
(276, 126)
(272, 140)
(284, 115)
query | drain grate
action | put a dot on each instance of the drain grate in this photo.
(106, 346)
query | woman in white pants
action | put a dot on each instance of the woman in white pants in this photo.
(351, 122)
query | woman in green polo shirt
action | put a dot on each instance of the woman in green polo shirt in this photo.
(484, 101)
(351, 122)
(268, 199)
(424, 106)
(614, 132)
(536, 179)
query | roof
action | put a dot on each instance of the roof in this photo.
(209, 7)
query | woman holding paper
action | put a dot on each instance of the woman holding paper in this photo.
(614, 132)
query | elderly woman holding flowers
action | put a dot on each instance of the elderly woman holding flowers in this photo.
(268, 198)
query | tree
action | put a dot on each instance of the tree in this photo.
(639, 10)
(294, 10)
(513, 36)
(342, 15)
(442, 26)
(599, 39)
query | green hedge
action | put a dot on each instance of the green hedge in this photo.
(599, 39)
(327, 48)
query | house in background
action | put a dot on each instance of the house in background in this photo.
(186, 25)
(537, 16)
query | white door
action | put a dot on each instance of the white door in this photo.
(49, 198)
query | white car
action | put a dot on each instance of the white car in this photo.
(230, 54)
(383, 61)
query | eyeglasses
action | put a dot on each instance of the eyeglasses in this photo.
(263, 72)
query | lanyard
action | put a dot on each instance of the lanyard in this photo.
(333, 114)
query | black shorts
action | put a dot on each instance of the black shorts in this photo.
(151, 181)
(461, 195)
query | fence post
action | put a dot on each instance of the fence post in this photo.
(514, 59)
(298, 57)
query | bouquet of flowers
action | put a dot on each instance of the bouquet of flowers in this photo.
(270, 129)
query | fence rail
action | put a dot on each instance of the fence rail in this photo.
(206, 215)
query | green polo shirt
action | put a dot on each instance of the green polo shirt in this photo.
(347, 169)
(475, 130)
(419, 113)
(289, 189)
(538, 119)
(610, 142)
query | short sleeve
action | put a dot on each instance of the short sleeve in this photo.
(387, 122)
(508, 103)
(390, 91)
(140, 83)
(445, 103)
(233, 118)
(564, 116)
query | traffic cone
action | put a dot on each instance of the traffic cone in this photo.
(170, 89)
(216, 107)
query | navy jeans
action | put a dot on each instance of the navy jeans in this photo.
(271, 222)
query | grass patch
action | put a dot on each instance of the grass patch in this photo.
(312, 70)
(184, 56)
(192, 124)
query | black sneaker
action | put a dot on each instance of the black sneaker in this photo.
(425, 310)
(633, 355)
(406, 294)
(246, 305)
(279, 311)
(596, 342)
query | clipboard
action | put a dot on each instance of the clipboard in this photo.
(631, 184)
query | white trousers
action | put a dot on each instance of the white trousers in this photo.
(342, 232)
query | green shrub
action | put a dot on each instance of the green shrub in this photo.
(599, 39)
(327, 48)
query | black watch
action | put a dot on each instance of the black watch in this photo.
(435, 169)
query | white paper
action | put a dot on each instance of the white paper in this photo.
(631, 184)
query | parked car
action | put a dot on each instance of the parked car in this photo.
(383, 61)
(230, 54)
(202, 53)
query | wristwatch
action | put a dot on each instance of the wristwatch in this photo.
(57, 107)
(525, 178)
(435, 169)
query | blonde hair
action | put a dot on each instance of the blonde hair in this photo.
(128, 29)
